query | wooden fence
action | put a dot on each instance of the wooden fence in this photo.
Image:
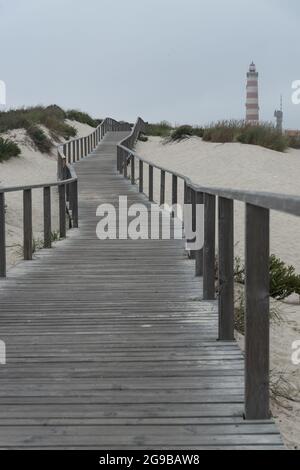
(257, 235)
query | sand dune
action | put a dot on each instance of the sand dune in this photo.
(31, 167)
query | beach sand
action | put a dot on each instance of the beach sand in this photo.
(248, 167)
(31, 167)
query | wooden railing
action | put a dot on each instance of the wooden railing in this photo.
(67, 154)
(257, 291)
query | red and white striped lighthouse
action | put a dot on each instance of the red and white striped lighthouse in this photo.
(252, 106)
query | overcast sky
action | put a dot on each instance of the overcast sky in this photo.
(180, 60)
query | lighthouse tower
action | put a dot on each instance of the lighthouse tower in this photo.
(252, 106)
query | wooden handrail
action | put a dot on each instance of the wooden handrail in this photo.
(70, 152)
(258, 205)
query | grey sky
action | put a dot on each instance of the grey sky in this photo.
(180, 60)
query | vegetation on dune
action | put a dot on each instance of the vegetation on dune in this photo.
(185, 131)
(284, 281)
(31, 119)
(262, 134)
(160, 129)
(8, 149)
(39, 138)
(84, 118)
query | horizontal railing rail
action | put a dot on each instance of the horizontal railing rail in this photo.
(257, 251)
(68, 153)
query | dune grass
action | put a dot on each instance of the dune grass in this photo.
(159, 129)
(31, 119)
(185, 131)
(84, 118)
(262, 134)
(8, 149)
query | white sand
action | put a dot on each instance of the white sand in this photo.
(248, 167)
(31, 167)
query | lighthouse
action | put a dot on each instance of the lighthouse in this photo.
(252, 106)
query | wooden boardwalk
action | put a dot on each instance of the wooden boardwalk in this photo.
(109, 347)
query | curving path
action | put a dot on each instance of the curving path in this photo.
(108, 345)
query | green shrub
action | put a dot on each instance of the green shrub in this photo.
(84, 118)
(283, 279)
(198, 131)
(143, 138)
(8, 149)
(59, 128)
(160, 129)
(186, 131)
(39, 138)
(181, 133)
(53, 117)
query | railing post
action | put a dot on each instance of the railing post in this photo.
(2, 236)
(150, 183)
(74, 151)
(257, 342)
(192, 198)
(47, 217)
(174, 193)
(199, 253)
(27, 223)
(125, 164)
(174, 190)
(226, 270)
(69, 153)
(81, 148)
(162, 187)
(77, 150)
(85, 147)
(132, 169)
(118, 159)
(141, 176)
(62, 210)
(75, 204)
(209, 247)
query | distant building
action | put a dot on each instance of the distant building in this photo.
(279, 117)
(292, 133)
(252, 104)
